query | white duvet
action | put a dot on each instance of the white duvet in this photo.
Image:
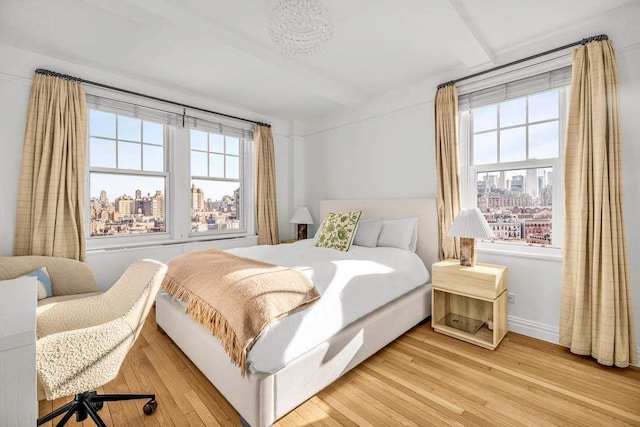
(352, 284)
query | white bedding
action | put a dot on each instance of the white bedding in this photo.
(352, 284)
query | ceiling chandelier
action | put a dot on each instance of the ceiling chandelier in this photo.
(300, 27)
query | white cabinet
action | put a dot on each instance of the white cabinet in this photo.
(18, 401)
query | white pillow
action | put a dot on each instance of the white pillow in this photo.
(368, 232)
(315, 236)
(399, 233)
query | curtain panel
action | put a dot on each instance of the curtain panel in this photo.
(266, 211)
(50, 217)
(448, 181)
(596, 315)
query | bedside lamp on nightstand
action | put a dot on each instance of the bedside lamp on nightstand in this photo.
(302, 217)
(469, 225)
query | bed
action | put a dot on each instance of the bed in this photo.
(282, 376)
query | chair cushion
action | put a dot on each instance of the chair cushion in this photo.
(53, 300)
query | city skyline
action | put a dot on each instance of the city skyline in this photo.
(116, 185)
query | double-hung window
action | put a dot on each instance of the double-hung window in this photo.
(161, 176)
(127, 175)
(511, 150)
(216, 190)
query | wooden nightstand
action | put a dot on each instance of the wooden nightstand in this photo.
(470, 303)
(288, 241)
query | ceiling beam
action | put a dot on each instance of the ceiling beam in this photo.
(175, 15)
(468, 44)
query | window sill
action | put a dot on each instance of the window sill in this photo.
(167, 242)
(520, 251)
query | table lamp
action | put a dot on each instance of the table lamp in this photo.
(302, 217)
(469, 225)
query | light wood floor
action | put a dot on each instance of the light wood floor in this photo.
(421, 379)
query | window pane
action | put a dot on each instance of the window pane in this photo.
(153, 133)
(543, 106)
(129, 155)
(215, 205)
(233, 146)
(102, 124)
(216, 165)
(102, 153)
(513, 144)
(485, 118)
(199, 164)
(198, 140)
(485, 148)
(129, 128)
(153, 158)
(517, 204)
(544, 141)
(216, 143)
(126, 204)
(513, 112)
(233, 167)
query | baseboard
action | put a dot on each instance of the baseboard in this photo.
(538, 330)
(541, 331)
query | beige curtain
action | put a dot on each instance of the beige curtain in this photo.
(266, 211)
(596, 316)
(51, 199)
(448, 185)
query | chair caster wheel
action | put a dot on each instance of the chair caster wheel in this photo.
(150, 407)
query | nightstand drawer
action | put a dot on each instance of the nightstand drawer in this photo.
(483, 281)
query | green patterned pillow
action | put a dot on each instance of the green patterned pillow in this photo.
(338, 230)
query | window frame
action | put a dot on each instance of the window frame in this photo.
(469, 173)
(177, 172)
(93, 242)
(240, 180)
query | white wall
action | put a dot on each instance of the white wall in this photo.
(386, 149)
(16, 70)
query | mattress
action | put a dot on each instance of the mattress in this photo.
(351, 284)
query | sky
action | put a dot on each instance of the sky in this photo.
(118, 185)
(139, 146)
(543, 137)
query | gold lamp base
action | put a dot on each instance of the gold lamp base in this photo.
(467, 251)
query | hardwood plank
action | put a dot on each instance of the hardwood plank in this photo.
(423, 378)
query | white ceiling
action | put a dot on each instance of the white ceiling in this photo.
(220, 49)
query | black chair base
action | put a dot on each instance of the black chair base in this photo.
(90, 402)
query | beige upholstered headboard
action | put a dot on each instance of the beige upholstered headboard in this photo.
(423, 209)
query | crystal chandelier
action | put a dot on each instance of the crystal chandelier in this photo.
(300, 27)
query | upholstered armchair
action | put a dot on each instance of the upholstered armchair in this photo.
(69, 279)
(83, 342)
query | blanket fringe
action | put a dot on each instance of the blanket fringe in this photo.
(211, 319)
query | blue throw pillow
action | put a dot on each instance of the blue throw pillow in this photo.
(44, 282)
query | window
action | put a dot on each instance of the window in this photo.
(511, 162)
(215, 182)
(127, 175)
(159, 176)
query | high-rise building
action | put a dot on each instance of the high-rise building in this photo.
(197, 199)
(531, 185)
(103, 196)
(138, 194)
(124, 205)
(157, 205)
(517, 183)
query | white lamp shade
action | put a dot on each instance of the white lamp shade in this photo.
(302, 216)
(471, 223)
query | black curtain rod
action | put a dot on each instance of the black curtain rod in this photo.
(599, 37)
(155, 98)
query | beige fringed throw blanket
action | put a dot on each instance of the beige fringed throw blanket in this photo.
(236, 298)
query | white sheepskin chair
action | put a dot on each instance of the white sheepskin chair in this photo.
(83, 342)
